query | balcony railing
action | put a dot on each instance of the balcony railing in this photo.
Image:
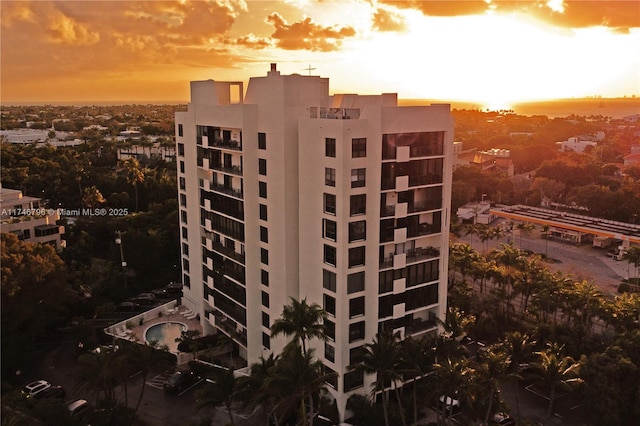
(419, 254)
(419, 325)
(234, 170)
(225, 190)
(227, 252)
(225, 144)
(422, 229)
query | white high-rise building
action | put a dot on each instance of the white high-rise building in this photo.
(290, 192)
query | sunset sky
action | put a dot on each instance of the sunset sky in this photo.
(490, 52)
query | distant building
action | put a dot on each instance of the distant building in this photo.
(28, 219)
(493, 160)
(575, 144)
(167, 153)
(476, 213)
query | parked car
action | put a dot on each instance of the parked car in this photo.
(160, 293)
(146, 298)
(503, 419)
(179, 381)
(51, 392)
(34, 388)
(79, 408)
(452, 405)
(128, 307)
(174, 288)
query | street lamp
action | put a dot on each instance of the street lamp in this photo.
(123, 263)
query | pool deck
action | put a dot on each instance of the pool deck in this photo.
(165, 313)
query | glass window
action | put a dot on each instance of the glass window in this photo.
(330, 329)
(181, 166)
(359, 147)
(264, 256)
(264, 234)
(358, 204)
(263, 212)
(265, 320)
(329, 304)
(183, 216)
(262, 166)
(329, 352)
(266, 341)
(262, 189)
(265, 299)
(353, 380)
(330, 176)
(356, 256)
(262, 141)
(329, 229)
(356, 307)
(181, 149)
(329, 255)
(180, 130)
(356, 331)
(358, 178)
(330, 203)
(329, 280)
(183, 183)
(330, 147)
(355, 282)
(264, 277)
(357, 230)
(355, 354)
(183, 200)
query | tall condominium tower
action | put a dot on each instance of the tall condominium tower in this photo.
(288, 192)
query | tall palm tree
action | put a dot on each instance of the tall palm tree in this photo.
(133, 173)
(450, 377)
(493, 367)
(519, 348)
(552, 373)
(253, 389)
(382, 358)
(545, 230)
(92, 197)
(417, 357)
(296, 381)
(302, 321)
(222, 389)
(462, 256)
(102, 371)
(456, 323)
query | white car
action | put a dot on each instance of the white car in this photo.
(78, 408)
(34, 388)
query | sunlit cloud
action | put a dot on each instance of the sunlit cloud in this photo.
(307, 35)
(63, 29)
(386, 20)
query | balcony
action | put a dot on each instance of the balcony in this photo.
(423, 229)
(419, 325)
(224, 190)
(231, 253)
(230, 327)
(225, 144)
(422, 253)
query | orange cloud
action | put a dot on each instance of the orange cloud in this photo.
(15, 12)
(385, 20)
(63, 29)
(253, 41)
(307, 35)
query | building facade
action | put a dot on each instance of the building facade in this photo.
(288, 192)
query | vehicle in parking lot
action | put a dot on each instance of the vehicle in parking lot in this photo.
(34, 388)
(146, 298)
(450, 405)
(128, 307)
(503, 419)
(179, 381)
(51, 392)
(174, 288)
(160, 293)
(79, 408)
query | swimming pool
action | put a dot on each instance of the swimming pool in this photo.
(165, 333)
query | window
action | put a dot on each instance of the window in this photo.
(329, 280)
(353, 380)
(356, 256)
(264, 277)
(265, 299)
(358, 178)
(385, 284)
(183, 200)
(359, 147)
(185, 265)
(357, 230)
(180, 130)
(329, 304)
(262, 166)
(330, 204)
(264, 234)
(329, 255)
(262, 189)
(329, 352)
(266, 341)
(181, 166)
(358, 204)
(356, 331)
(329, 176)
(183, 216)
(385, 306)
(330, 329)
(183, 183)
(185, 249)
(181, 149)
(265, 319)
(186, 280)
(263, 212)
(185, 233)
(330, 147)
(329, 229)
(355, 354)
(356, 307)
(264, 256)
(332, 379)
(355, 282)
(262, 141)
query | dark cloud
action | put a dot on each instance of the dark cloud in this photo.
(307, 35)
(618, 15)
(386, 20)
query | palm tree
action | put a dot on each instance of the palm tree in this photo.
(221, 390)
(456, 323)
(545, 230)
(553, 373)
(632, 255)
(494, 367)
(462, 255)
(450, 377)
(133, 173)
(296, 381)
(102, 371)
(190, 338)
(92, 197)
(302, 321)
(382, 358)
(519, 348)
(417, 358)
(253, 390)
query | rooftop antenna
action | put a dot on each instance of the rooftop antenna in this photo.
(309, 69)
